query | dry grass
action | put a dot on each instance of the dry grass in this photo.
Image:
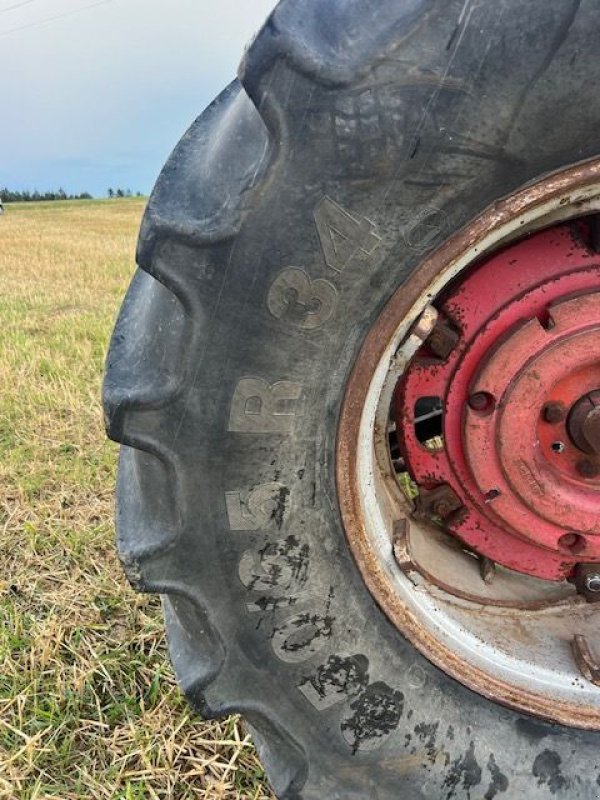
(88, 703)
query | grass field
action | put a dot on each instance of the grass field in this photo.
(88, 703)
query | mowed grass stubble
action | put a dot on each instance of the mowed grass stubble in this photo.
(89, 707)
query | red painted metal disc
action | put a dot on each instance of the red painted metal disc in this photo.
(524, 333)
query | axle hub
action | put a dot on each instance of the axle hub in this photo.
(500, 409)
(584, 423)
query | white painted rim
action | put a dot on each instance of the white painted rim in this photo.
(539, 660)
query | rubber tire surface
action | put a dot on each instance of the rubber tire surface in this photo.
(358, 137)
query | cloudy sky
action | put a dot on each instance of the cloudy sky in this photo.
(98, 96)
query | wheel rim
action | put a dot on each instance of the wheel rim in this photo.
(519, 634)
(515, 339)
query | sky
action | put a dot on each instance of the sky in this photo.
(99, 97)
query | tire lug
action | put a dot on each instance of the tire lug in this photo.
(443, 339)
(442, 501)
(592, 583)
(587, 581)
(553, 412)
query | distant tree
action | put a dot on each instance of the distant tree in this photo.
(26, 196)
(120, 193)
(111, 192)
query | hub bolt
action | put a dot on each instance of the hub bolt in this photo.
(553, 412)
(592, 582)
(442, 508)
(441, 501)
(587, 581)
(443, 339)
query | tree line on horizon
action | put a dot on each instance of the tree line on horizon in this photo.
(11, 196)
(110, 193)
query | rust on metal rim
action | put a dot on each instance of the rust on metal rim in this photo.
(561, 189)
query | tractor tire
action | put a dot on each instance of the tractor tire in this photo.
(359, 138)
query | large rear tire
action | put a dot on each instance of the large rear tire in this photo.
(358, 138)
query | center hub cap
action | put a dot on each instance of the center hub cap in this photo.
(584, 423)
(512, 376)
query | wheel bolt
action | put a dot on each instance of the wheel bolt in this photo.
(586, 578)
(592, 582)
(587, 468)
(553, 412)
(442, 509)
(443, 339)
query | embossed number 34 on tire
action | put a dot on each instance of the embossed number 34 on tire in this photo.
(357, 385)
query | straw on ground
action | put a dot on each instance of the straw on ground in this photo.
(88, 703)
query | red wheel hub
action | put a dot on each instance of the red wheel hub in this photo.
(514, 365)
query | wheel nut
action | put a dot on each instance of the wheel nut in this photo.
(441, 501)
(586, 578)
(592, 582)
(587, 468)
(553, 412)
(443, 339)
(442, 509)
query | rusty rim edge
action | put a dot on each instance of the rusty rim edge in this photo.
(496, 216)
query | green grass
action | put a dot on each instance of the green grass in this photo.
(88, 704)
